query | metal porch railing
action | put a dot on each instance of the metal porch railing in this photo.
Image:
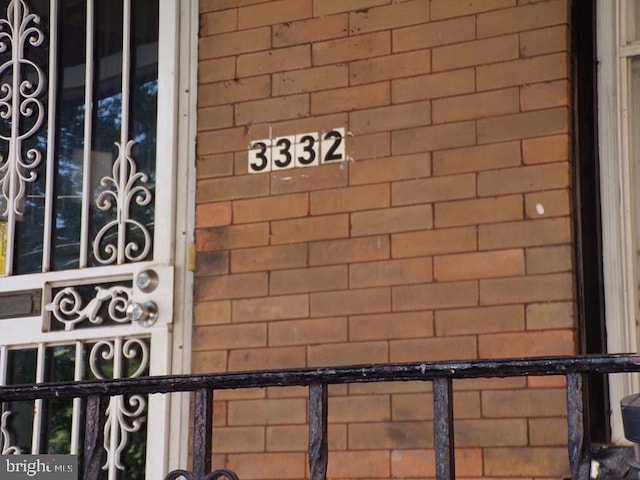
(441, 374)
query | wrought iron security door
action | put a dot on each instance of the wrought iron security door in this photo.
(86, 228)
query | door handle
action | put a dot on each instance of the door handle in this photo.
(146, 314)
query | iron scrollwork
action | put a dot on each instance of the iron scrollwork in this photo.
(215, 475)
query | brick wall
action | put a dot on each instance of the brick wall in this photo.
(447, 236)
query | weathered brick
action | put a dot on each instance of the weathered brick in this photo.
(216, 5)
(309, 229)
(257, 466)
(447, 9)
(359, 408)
(523, 403)
(549, 259)
(239, 439)
(528, 233)
(216, 69)
(270, 308)
(310, 80)
(391, 220)
(212, 313)
(394, 117)
(545, 95)
(469, 321)
(350, 302)
(532, 288)
(522, 72)
(399, 65)
(523, 179)
(435, 295)
(548, 315)
(419, 406)
(350, 250)
(436, 189)
(434, 34)
(435, 85)
(390, 272)
(268, 258)
(523, 17)
(309, 179)
(231, 188)
(308, 332)
(477, 158)
(374, 145)
(389, 435)
(218, 22)
(526, 462)
(311, 30)
(214, 166)
(282, 411)
(266, 359)
(477, 105)
(433, 349)
(215, 117)
(476, 52)
(548, 431)
(352, 353)
(445, 240)
(491, 432)
(554, 203)
(554, 148)
(314, 279)
(387, 17)
(401, 167)
(349, 199)
(221, 337)
(272, 61)
(209, 362)
(276, 11)
(466, 266)
(212, 263)
(422, 463)
(435, 137)
(388, 326)
(231, 286)
(523, 125)
(270, 208)
(234, 43)
(222, 141)
(351, 48)
(545, 40)
(359, 464)
(351, 98)
(478, 211)
(295, 438)
(527, 344)
(323, 8)
(272, 109)
(234, 236)
(213, 214)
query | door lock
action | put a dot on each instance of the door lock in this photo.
(145, 314)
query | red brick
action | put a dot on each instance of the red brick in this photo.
(390, 272)
(213, 214)
(394, 117)
(548, 431)
(399, 219)
(266, 359)
(272, 61)
(374, 145)
(436, 295)
(523, 179)
(215, 117)
(270, 208)
(359, 408)
(527, 344)
(258, 466)
(350, 98)
(280, 411)
(352, 353)
(477, 158)
(434, 34)
(465, 266)
(216, 69)
(349, 199)
(526, 462)
(389, 435)
(218, 22)
(216, 5)
(435, 85)
(528, 233)
(436, 137)
(272, 109)
(476, 52)
(491, 432)
(421, 463)
(276, 11)
(314, 279)
(232, 286)
(399, 65)
(308, 332)
(523, 125)
(401, 167)
(524, 403)
(477, 105)
(359, 464)
(447, 8)
(268, 258)
(323, 8)
(554, 148)
(212, 313)
(235, 236)
(434, 189)
(223, 337)
(212, 263)
(351, 48)
(387, 17)
(419, 406)
(549, 259)
(469, 321)
(523, 17)
(231, 188)
(214, 166)
(310, 80)
(545, 95)
(209, 362)
(349, 302)
(478, 211)
(544, 41)
(522, 72)
(532, 288)
(271, 308)
(433, 349)
(309, 179)
(239, 439)
(350, 250)
(295, 438)
(548, 315)
(386, 326)
(309, 229)
(233, 43)
(446, 240)
(311, 30)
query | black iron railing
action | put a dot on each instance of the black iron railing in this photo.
(441, 374)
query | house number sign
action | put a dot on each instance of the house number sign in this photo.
(293, 151)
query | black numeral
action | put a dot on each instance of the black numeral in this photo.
(308, 149)
(331, 154)
(285, 151)
(264, 161)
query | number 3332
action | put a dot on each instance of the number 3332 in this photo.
(302, 150)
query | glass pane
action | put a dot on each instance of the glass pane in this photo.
(21, 369)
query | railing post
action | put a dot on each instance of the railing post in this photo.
(443, 428)
(579, 454)
(318, 449)
(94, 436)
(202, 434)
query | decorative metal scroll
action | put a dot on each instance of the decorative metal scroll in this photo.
(125, 414)
(215, 475)
(67, 306)
(20, 103)
(5, 437)
(125, 186)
